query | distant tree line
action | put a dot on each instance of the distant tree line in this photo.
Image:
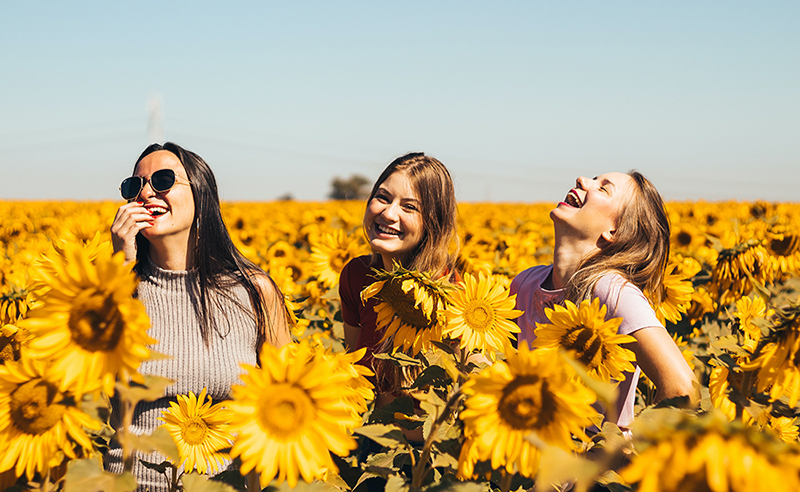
(356, 187)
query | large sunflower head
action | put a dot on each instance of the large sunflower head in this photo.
(738, 265)
(409, 307)
(783, 245)
(479, 315)
(87, 319)
(200, 430)
(585, 334)
(300, 406)
(532, 391)
(39, 423)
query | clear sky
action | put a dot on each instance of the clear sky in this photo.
(516, 98)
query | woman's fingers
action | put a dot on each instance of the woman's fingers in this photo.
(130, 219)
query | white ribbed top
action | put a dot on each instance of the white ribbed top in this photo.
(172, 302)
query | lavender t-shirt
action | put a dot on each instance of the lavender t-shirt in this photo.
(622, 298)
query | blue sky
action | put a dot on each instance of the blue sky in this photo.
(516, 98)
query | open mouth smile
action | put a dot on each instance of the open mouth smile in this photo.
(382, 229)
(573, 199)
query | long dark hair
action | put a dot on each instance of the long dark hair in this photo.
(431, 180)
(640, 250)
(217, 261)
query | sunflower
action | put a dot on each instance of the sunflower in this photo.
(88, 320)
(200, 430)
(783, 427)
(38, 421)
(409, 307)
(747, 309)
(708, 453)
(293, 412)
(480, 314)
(719, 386)
(588, 337)
(332, 253)
(737, 266)
(532, 391)
(777, 356)
(676, 295)
(783, 244)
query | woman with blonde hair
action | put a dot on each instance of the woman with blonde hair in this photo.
(612, 242)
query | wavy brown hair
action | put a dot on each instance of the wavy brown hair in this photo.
(431, 180)
(639, 251)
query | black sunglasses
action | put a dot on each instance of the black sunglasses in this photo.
(161, 181)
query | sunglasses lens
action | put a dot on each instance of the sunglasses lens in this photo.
(131, 187)
(162, 180)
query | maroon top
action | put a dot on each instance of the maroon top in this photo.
(355, 276)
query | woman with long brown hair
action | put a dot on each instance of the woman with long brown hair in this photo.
(612, 242)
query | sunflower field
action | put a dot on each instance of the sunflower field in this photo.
(473, 412)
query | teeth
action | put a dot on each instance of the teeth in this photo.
(386, 230)
(157, 210)
(572, 199)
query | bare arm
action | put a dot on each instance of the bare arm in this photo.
(351, 336)
(662, 362)
(278, 331)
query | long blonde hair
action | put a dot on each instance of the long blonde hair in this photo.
(639, 251)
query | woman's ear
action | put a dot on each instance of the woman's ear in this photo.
(608, 236)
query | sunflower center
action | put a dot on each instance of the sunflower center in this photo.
(404, 304)
(95, 321)
(684, 238)
(785, 246)
(586, 344)
(479, 315)
(194, 430)
(286, 412)
(527, 404)
(32, 407)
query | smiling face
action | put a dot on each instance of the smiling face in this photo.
(393, 219)
(591, 209)
(172, 210)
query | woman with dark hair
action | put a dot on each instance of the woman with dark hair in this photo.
(210, 308)
(612, 242)
(411, 220)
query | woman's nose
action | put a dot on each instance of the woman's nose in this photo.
(147, 190)
(389, 212)
(581, 182)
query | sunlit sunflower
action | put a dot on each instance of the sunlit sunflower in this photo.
(88, 320)
(13, 304)
(332, 253)
(737, 266)
(719, 386)
(480, 314)
(687, 453)
(532, 391)
(676, 295)
(748, 309)
(410, 311)
(783, 244)
(200, 430)
(777, 356)
(38, 421)
(586, 335)
(293, 412)
(702, 304)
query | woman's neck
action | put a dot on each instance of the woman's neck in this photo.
(171, 256)
(567, 258)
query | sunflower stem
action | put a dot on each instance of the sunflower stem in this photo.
(420, 470)
(124, 434)
(505, 482)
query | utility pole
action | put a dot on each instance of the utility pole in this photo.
(155, 127)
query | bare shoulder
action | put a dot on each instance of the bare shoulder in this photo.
(265, 284)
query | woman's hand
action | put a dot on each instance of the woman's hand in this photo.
(130, 219)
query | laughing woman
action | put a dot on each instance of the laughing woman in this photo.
(611, 242)
(210, 308)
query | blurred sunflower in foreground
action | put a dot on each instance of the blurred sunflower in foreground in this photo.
(588, 338)
(479, 316)
(410, 311)
(681, 452)
(87, 319)
(40, 424)
(532, 391)
(294, 411)
(200, 430)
